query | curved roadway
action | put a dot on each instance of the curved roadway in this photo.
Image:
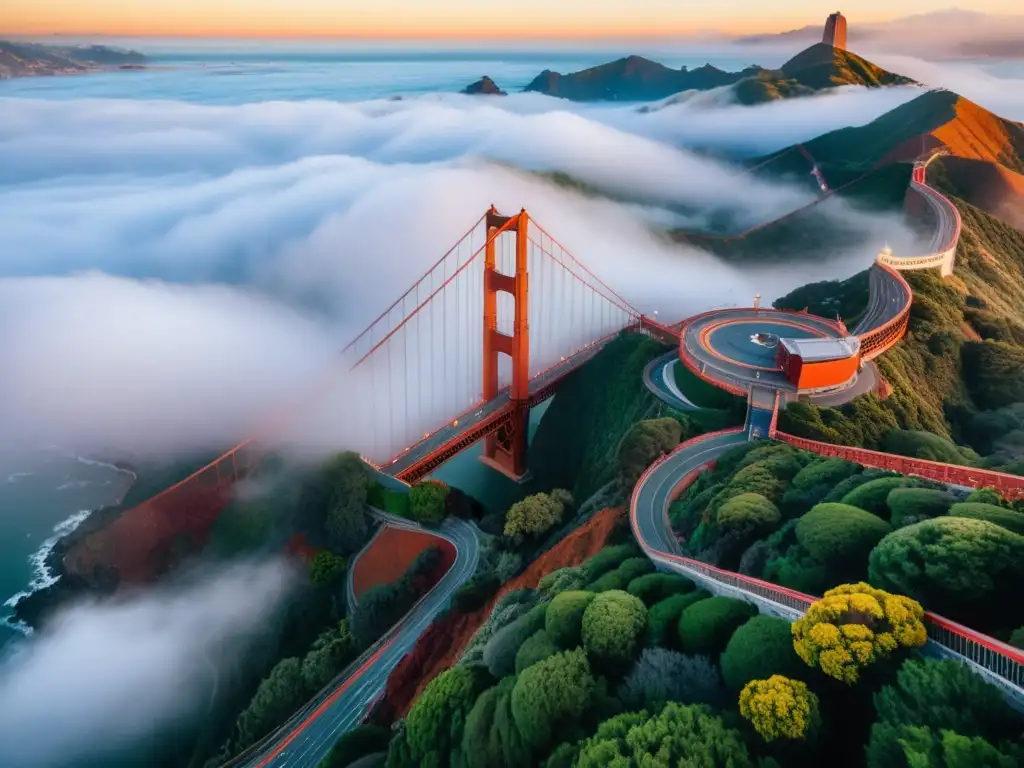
(310, 734)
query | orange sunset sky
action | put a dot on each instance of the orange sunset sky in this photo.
(440, 18)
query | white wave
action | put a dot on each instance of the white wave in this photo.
(75, 484)
(42, 576)
(16, 476)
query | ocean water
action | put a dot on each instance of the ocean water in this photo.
(226, 75)
(44, 496)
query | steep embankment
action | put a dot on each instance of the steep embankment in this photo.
(391, 553)
(441, 645)
(962, 358)
(576, 442)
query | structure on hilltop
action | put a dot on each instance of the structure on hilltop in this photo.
(835, 31)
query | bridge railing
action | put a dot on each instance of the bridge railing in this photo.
(1002, 664)
(1009, 486)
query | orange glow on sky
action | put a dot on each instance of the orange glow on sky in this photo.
(438, 18)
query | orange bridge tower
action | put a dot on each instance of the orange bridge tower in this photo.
(835, 31)
(505, 450)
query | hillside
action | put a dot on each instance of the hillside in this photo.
(959, 373)
(816, 68)
(633, 78)
(984, 153)
(32, 59)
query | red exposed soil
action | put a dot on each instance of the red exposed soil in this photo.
(147, 541)
(391, 554)
(299, 547)
(444, 640)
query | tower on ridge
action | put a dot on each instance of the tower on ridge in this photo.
(835, 31)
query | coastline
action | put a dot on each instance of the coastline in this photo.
(51, 586)
(61, 72)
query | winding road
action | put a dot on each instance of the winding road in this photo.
(309, 735)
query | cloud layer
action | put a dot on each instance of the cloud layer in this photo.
(242, 245)
(102, 676)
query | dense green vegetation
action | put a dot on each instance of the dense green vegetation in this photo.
(575, 674)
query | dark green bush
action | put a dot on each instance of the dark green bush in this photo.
(663, 617)
(706, 626)
(760, 648)
(361, 741)
(1008, 519)
(536, 647)
(871, 496)
(655, 587)
(912, 505)
(564, 617)
(500, 651)
(840, 537)
(608, 559)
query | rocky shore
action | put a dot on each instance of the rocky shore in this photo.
(36, 60)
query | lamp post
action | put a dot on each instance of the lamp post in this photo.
(757, 302)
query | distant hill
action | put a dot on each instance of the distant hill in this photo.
(33, 59)
(635, 78)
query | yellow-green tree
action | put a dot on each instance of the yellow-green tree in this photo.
(855, 625)
(534, 515)
(780, 708)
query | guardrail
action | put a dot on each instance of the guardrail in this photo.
(878, 340)
(998, 662)
(1010, 487)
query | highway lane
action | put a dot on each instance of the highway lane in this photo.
(659, 378)
(313, 735)
(653, 496)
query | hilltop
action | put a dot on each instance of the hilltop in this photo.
(817, 68)
(635, 78)
(33, 59)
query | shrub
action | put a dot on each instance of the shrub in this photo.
(663, 617)
(507, 609)
(427, 502)
(940, 695)
(532, 517)
(500, 651)
(854, 626)
(642, 444)
(660, 676)
(872, 495)
(508, 565)
(613, 624)
(1005, 518)
(779, 708)
(679, 735)
(608, 559)
(759, 649)
(326, 569)
(562, 580)
(824, 472)
(912, 505)
(749, 514)
(619, 578)
(985, 496)
(552, 694)
(655, 587)
(366, 739)
(955, 566)
(564, 618)
(536, 647)
(491, 738)
(433, 728)
(706, 626)
(475, 593)
(839, 533)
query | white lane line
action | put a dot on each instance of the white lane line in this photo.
(669, 379)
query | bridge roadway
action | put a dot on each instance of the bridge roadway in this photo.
(309, 735)
(484, 412)
(886, 299)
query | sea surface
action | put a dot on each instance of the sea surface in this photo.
(44, 496)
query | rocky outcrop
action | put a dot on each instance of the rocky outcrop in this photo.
(32, 59)
(483, 87)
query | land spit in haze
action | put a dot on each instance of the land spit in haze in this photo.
(33, 59)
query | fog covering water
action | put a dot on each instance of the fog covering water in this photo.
(184, 248)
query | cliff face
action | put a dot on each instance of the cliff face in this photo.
(633, 78)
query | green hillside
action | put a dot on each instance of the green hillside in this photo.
(819, 67)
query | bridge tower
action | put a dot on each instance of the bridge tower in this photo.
(835, 31)
(505, 450)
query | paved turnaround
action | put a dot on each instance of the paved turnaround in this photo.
(310, 734)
